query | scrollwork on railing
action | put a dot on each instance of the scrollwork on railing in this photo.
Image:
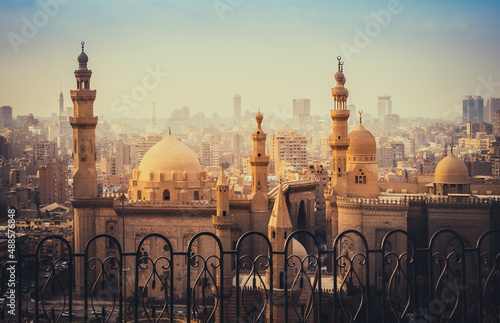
(446, 295)
(104, 288)
(103, 275)
(55, 267)
(161, 273)
(254, 282)
(205, 280)
(302, 282)
(401, 265)
(489, 275)
(351, 267)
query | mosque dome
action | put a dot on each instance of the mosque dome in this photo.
(167, 156)
(361, 142)
(451, 170)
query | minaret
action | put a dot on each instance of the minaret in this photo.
(259, 162)
(83, 123)
(278, 229)
(61, 103)
(223, 222)
(339, 141)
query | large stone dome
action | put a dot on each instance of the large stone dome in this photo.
(167, 156)
(361, 142)
(451, 170)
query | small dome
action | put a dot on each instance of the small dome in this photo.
(259, 117)
(83, 58)
(451, 170)
(169, 155)
(361, 142)
(339, 77)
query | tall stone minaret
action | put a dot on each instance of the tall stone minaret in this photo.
(278, 229)
(339, 141)
(61, 103)
(223, 221)
(83, 123)
(84, 200)
(259, 162)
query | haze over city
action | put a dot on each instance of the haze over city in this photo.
(427, 55)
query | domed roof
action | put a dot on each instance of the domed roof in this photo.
(83, 58)
(451, 170)
(361, 142)
(169, 155)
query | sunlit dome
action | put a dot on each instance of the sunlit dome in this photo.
(167, 156)
(451, 170)
(361, 142)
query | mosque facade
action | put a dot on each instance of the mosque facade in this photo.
(170, 194)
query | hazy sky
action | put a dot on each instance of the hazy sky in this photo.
(426, 54)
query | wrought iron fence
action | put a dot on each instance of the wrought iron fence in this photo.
(446, 281)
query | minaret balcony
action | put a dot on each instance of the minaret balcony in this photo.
(83, 122)
(259, 160)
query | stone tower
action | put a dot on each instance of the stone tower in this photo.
(84, 198)
(278, 229)
(83, 124)
(223, 222)
(259, 162)
(339, 141)
(259, 199)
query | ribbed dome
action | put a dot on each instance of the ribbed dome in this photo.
(169, 155)
(361, 142)
(451, 170)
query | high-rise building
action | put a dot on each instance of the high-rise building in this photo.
(496, 123)
(45, 150)
(237, 109)
(492, 105)
(53, 182)
(210, 152)
(288, 147)
(472, 109)
(301, 112)
(5, 115)
(384, 106)
(61, 103)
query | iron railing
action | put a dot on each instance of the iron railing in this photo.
(447, 281)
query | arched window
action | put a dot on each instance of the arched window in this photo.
(166, 195)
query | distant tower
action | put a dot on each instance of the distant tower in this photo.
(259, 162)
(237, 109)
(339, 141)
(83, 124)
(278, 229)
(384, 105)
(61, 103)
(223, 222)
(472, 109)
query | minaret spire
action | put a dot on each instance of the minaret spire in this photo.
(84, 123)
(339, 142)
(259, 162)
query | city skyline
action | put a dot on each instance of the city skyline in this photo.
(427, 57)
